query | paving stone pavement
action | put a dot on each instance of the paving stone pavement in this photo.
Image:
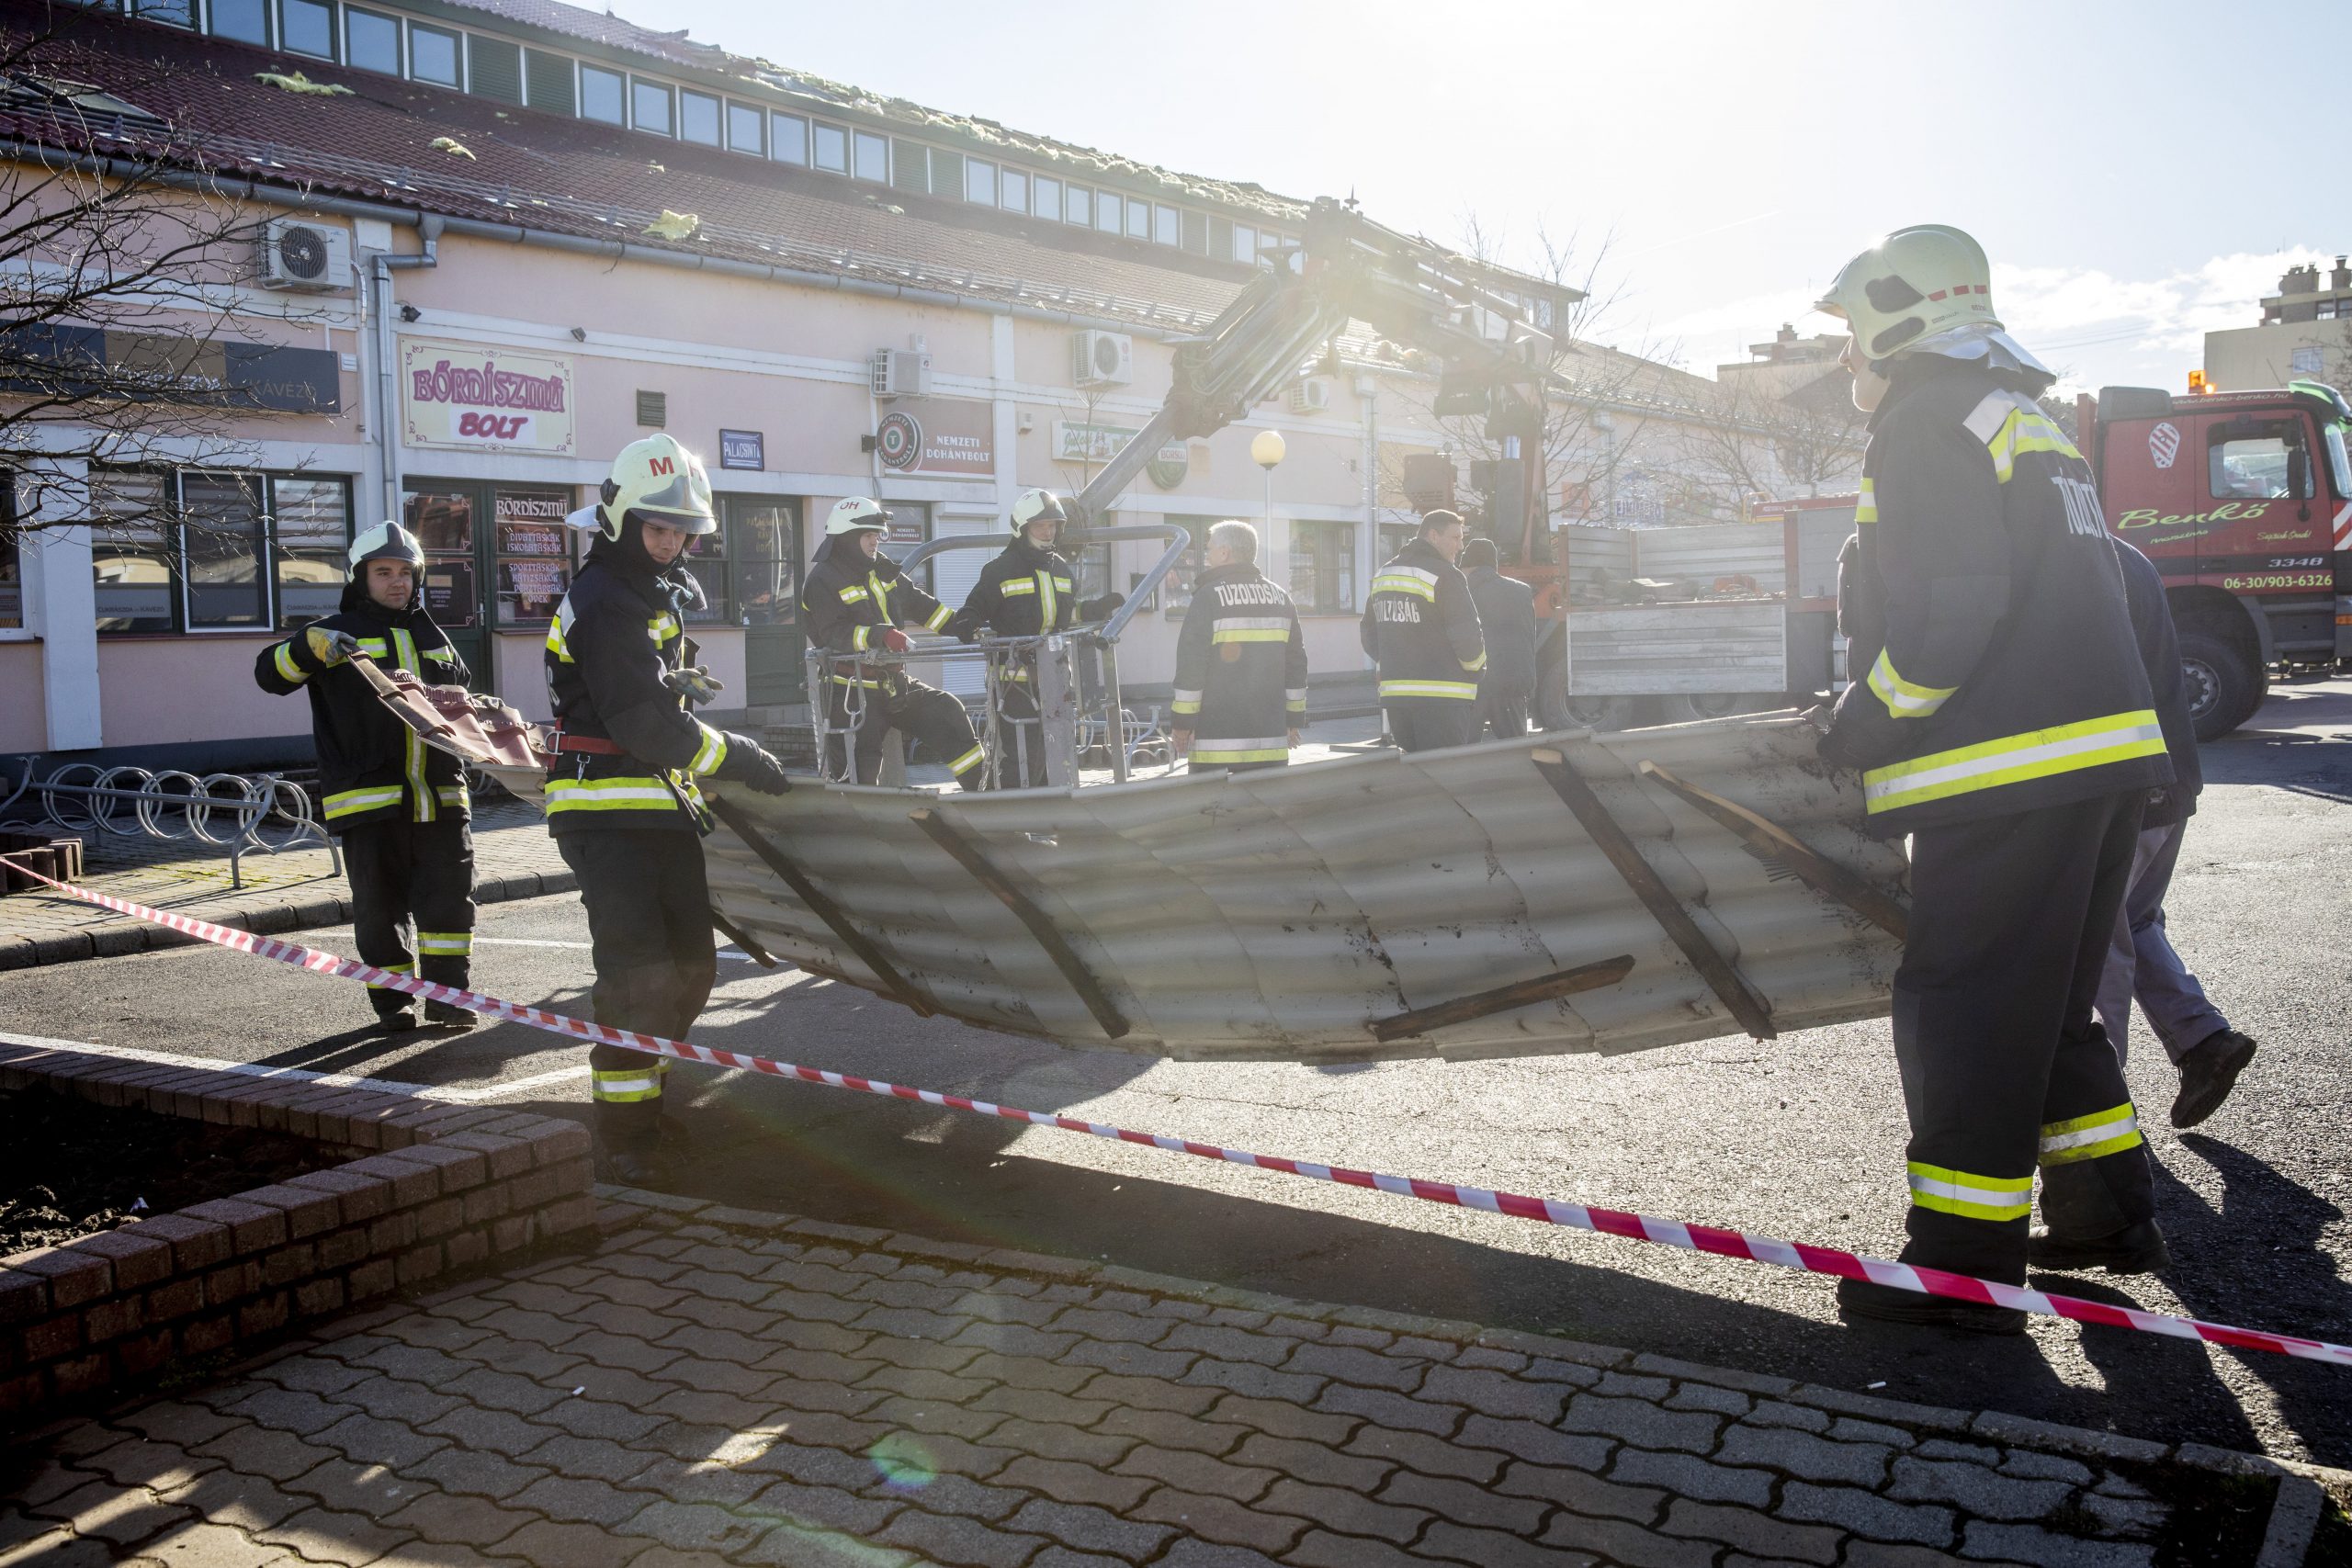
(717, 1386)
(514, 858)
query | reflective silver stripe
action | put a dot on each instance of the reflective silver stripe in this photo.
(283, 657)
(712, 755)
(1048, 605)
(1429, 689)
(426, 809)
(1254, 622)
(1391, 582)
(1296, 693)
(1241, 743)
(1015, 587)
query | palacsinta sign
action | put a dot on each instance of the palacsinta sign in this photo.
(461, 397)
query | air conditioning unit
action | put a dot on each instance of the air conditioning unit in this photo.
(301, 254)
(1310, 396)
(1102, 359)
(900, 373)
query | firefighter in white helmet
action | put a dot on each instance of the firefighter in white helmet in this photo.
(623, 800)
(854, 602)
(1029, 590)
(2001, 717)
(400, 806)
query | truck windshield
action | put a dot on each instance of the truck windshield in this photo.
(2339, 461)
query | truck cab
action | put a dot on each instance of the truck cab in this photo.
(2244, 501)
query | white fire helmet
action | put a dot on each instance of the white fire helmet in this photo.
(1034, 505)
(856, 514)
(386, 541)
(1914, 282)
(658, 478)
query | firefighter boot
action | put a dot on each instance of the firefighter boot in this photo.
(1885, 1303)
(2134, 1249)
(449, 1015)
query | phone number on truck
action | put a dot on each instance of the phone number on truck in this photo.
(2280, 579)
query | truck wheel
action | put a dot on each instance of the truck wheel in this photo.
(1599, 714)
(1552, 689)
(1687, 709)
(2224, 685)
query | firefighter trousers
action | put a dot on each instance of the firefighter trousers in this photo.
(928, 715)
(2005, 1067)
(1502, 712)
(649, 935)
(412, 879)
(1424, 724)
(1020, 739)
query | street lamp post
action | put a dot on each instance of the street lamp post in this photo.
(1267, 449)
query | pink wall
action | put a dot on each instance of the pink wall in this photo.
(163, 690)
(23, 726)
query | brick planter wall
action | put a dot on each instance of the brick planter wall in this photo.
(437, 1189)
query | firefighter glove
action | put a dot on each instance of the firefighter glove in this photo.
(749, 762)
(894, 639)
(329, 647)
(1102, 609)
(695, 682)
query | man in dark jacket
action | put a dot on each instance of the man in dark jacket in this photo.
(623, 801)
(1027, 591)
(400, 806)
(2140, 961)
(1240, 662)
(1421, 629)
(2006, 724)
(1507, 618)
(852, 601)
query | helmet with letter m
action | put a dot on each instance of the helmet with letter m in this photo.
(660, 481)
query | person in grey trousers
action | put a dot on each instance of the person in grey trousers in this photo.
(1506, 614)
(2141, 963)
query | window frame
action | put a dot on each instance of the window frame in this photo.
(1339, 565)
(1006, 179)
(717, 117)
(1110, 211)
(167, 13)
(580, 94)
(860, 143)
(269, 553)
(1075, 195)
(400, 41)
(268, 25)
(669, 97)
(335, 29)
(1138, 219)
(2293, 435)
(1038, 186)
(818, 130)
(974, 170)
(1167, 226)
(759, 118)
(801, 135)
(457, 54)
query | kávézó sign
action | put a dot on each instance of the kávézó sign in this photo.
(460, 397)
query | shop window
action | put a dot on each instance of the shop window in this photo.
(832, 149)
(534, 554)
(247, 21)
(311, 523)
(130, 557)
(1046, 198)
(1013, 191)
(650, 107)
(1323, 568)
(431, 55)
(743, 130)
(1079, 207)
(307, 27)
(221, 551)
(758, 545)
(1394, 536)
(442, 522)
(788, 138)
(494, 68)
(2259, 461)
(707, 558)
(12, 581)
(979, 181)
(698, 118)
(603, 96)
(371, 41)
(547, 81)
(873, 157)
(1176, 588)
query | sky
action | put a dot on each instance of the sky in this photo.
(2140, 174)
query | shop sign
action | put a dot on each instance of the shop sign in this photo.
(742, 450)
(1080, 443)
(459, 397)
(938, 435)
(146, 366)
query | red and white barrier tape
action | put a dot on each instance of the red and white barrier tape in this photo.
(1609, 1222)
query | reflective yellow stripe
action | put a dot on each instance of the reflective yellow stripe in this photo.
(2090, 1137)
(1393, 582)
(1430, 689)
(939, 618)
(425, 808)
(1866, 507)
(443, 654)
(373, 647)
(2014, 758)
(853, 594)
(624, 1085)
(639, 793)
(1185, 701)
(1996, 1197)
(444, 944)
(2026, 430)
(1248, 634)
(1241, 749)
(454, 795)
(1475, 664)
(857, 638)
(854, 681)
(1046, 599)
(556, 643)
(1015, 587)
(661, 628)
(713, 751)
(352, 801)
(970, 758)
(283, 657)
(1905, 699)
(390, 969)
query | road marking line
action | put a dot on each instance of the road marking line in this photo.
(300, 1075)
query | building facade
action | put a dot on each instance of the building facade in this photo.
(493, 243)
(2305, 335)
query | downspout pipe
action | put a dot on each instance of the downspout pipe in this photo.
(383, 264)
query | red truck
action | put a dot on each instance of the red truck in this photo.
(2244, 501)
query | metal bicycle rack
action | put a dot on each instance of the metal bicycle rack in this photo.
(266, 813)
(1070, 720)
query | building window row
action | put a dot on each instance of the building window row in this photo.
(500, 69)
(195, 549)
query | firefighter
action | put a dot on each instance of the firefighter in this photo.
(2001, 717)
(622, 800)
(1507, 618)
(400, 806)
(1240, 662)
(1029, 590)
(1421, 627)
(853, 599)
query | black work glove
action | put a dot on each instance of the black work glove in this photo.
(1855, 733)
(749, 762)
(1101, 609)
(968, 635)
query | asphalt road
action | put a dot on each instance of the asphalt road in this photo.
(1800, 1137)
